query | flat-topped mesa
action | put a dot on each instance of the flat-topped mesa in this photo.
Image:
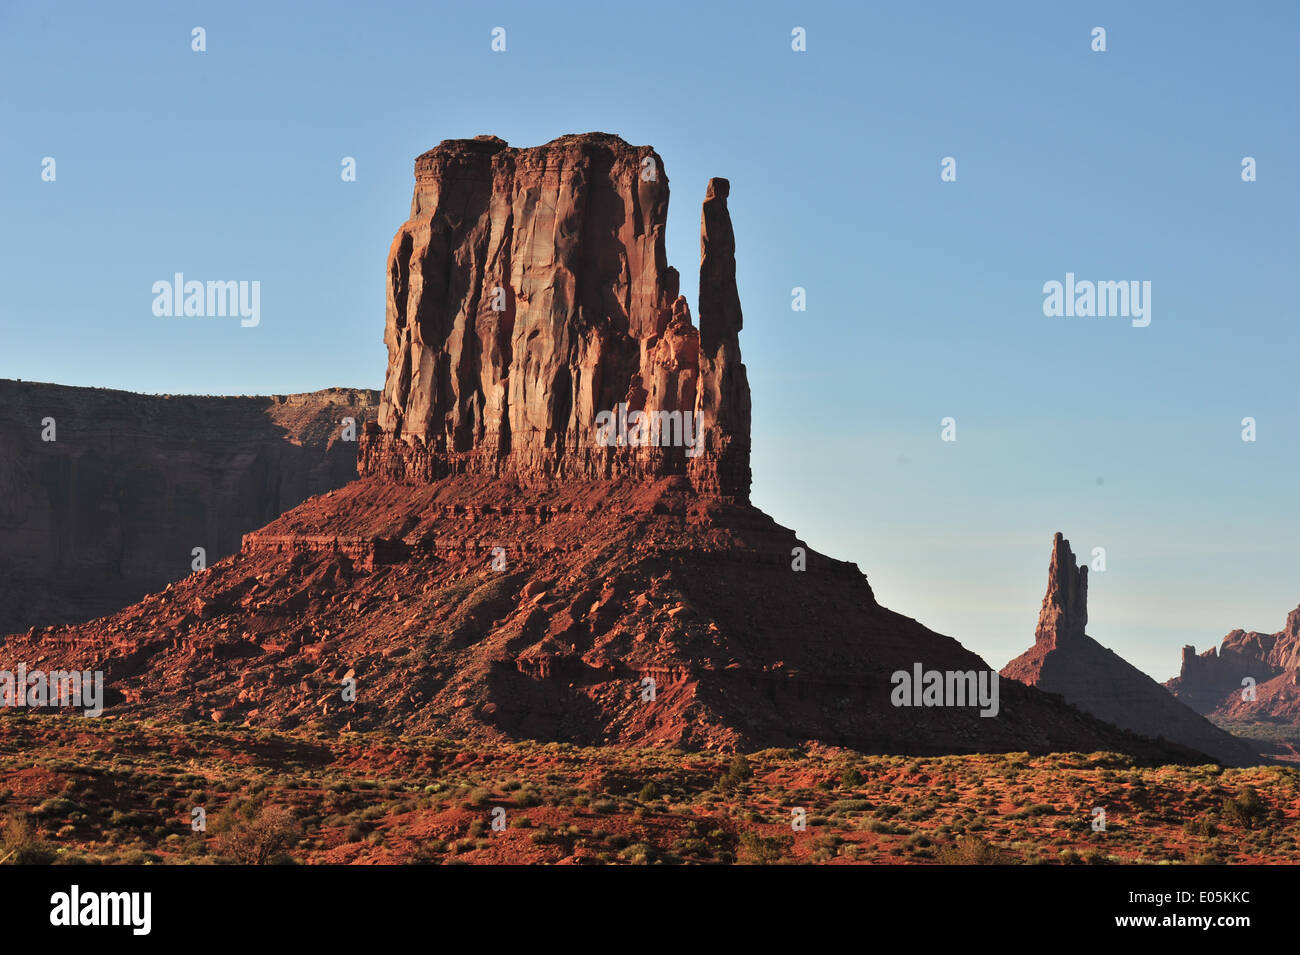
(532, 314)
(1064, 614)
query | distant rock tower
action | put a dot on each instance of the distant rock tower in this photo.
(1064, 615)
(1066, 661)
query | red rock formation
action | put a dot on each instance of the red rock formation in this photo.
(530, 291)
(495, 572)
(111, 509)
(1064, 614)
(1212, 683)
(1065, 661)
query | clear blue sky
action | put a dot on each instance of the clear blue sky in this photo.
(924, 298)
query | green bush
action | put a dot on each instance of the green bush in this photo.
(737, 772)
(1246, 810)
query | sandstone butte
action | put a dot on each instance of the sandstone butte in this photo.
(1066, 661)
(494, 572)
(112, 509)
(1213, 683)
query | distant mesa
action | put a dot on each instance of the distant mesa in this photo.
(1216, 681)
(112, 509)
(1066, 661)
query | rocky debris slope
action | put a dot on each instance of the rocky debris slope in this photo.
(1064, 660)
(528, 293)
(114, 506)
(1212, 683)
(496, 573)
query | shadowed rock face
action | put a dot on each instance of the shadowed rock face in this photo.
(113, 507)
(1213, 681)
(530, 291)
(1064, 660)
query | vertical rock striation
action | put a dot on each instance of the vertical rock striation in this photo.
(528, 293)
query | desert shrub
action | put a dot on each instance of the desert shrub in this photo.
(917, 840)
(358, 830)
(851, 805)
(263, 839)
(689, 846)
(428, 853)
(764, 850)
(971, 850)
(737, 772)
(21, 844)
(55, 807)
(640, 853)
(1247, 810)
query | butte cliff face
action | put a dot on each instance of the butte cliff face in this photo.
(528, 292)
(107, 502)
(1065, 661)
(498, 571)
(1217, 680)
